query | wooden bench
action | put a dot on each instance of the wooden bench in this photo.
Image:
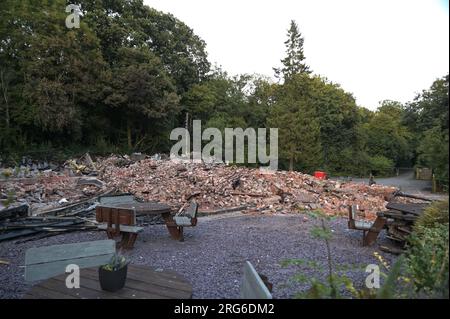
(184, 218)
(253, 286)
(370, 230)
(119, 221)
(46, 262)
(188, 217)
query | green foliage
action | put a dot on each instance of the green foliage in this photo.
(433, 152)
(130, 73)
(299, 127)
(118, 77)
(10, 199)
(390, 288)
(381, 165)
(117, 262)
(422, 272)
(385, 137)
(428, 260)
(434, 215)
(427, 116)
(293, 62)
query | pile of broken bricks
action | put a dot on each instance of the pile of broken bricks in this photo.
(220, 186)
(67, 200)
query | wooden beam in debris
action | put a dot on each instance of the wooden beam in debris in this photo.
(415, 208)
(61, 210)
(27, 232)
(14, 212)
(401, 194)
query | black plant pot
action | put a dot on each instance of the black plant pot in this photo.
(112, 280)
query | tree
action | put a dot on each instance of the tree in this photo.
(427, 116)
(385, 135)
(142, 91)
(293, 63)
(52, 73)
(124, 23)
(299, 128)
(337, 113)
(433, 152)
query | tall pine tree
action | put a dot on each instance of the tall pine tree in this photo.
(295, 116)
(293, 63)
(294, 112)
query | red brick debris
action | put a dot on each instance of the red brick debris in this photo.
(218, 186)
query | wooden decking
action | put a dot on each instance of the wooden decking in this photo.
(142, 283)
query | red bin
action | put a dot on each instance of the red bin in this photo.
(320, 175)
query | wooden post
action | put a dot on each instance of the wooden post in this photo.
(372, 234)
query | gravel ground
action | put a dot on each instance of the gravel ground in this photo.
(214, 252)
(407, 183)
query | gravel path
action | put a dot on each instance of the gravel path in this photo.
(407, 183)
(214, 252)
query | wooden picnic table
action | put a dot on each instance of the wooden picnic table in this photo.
(154, 208)
(147, 208)
(142, 283)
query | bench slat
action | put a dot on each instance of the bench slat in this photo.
(44, 271)
(46, 262)
(68, 251)
(112, 200)
(123, 228)
(252, 285)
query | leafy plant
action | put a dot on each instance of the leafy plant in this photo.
(11, 198)
(436, 214)
(117, 262)
(428, 260)
(7, 173)
(337, 284)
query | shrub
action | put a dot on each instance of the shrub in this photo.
(381, 165)
(436, 214)
(427, 260)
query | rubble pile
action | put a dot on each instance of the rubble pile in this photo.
(47, 192)
(218, 186)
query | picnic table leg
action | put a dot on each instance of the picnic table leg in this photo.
(132, 240)
(128, 241)
(376, 228)
(175, 231)
(124, 242)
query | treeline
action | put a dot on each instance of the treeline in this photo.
(130, 74)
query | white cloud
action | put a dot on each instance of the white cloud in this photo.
(385, 49)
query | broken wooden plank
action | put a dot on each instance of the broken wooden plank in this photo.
(401, 194)
(392, 250)
(27, 232)
(72, 206)
(412, 208)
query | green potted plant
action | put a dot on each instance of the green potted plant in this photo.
(113, 275)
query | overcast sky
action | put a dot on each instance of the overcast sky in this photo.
(383, 49)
